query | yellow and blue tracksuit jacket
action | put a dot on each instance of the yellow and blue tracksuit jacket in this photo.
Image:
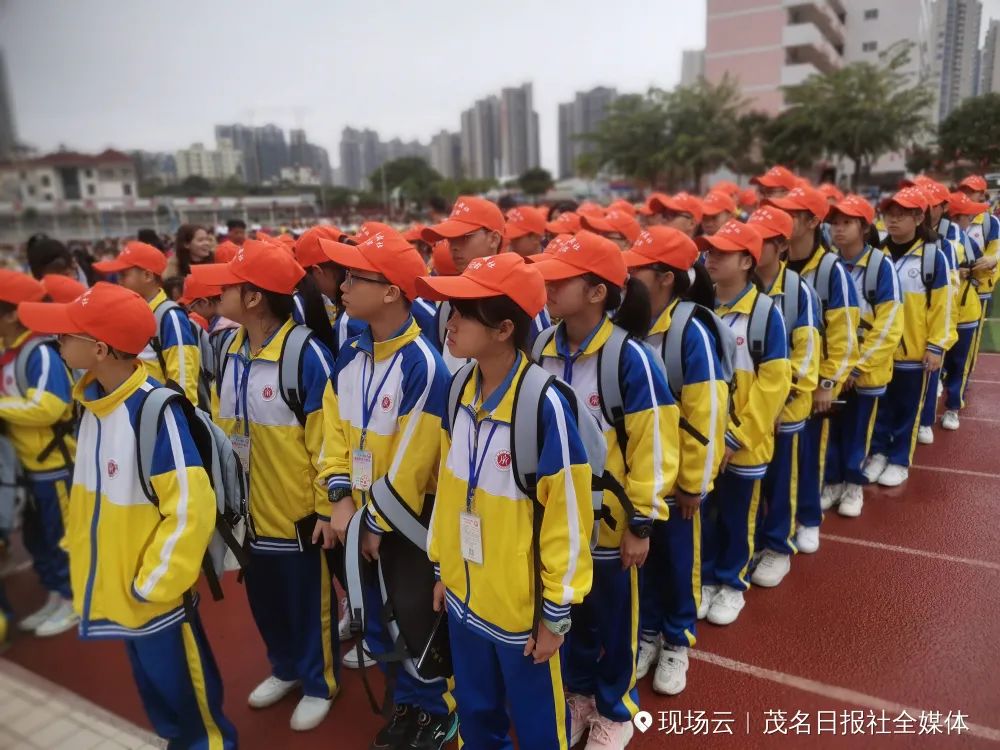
(386, 397)
(647, 466)
(29, 417)
(968, 308)
(130, 561)
(840, 320)
(180, 350)
(881, 323)
(497, 598)
(704, 404)
(926, 312)
(805, 349)
(985, 235)
(759, 393)
(285, 455)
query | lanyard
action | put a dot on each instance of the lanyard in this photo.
(474, 469)
(241, 383)
(368, 404)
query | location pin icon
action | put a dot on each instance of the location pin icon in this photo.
(643, 721)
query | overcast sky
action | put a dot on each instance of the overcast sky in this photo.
(160, 74)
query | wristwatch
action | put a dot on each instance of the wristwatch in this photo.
(641, 530)
(558, 627)
(335, 495)
(826, 384)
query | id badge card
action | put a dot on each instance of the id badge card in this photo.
(471, 537)
(361, 470)
(241, 447)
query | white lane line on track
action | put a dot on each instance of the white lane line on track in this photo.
(987, 382)
(910, 551)
(966, 472)
(980, 419)
(832, 692)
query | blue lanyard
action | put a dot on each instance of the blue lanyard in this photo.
(476, 470)
(368, 404)
(241, 383)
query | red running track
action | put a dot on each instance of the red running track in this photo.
(897, 612)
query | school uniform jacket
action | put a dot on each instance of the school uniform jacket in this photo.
(759, 394)
(967, 307)
(30, 416)
(131, 562)
(926, 313)
(497, 598)
(703, 404)
(404, 384)
(985, 234)
(285, 456)
(805, 350)
(840, 321)
(881, 323)
(180, 350)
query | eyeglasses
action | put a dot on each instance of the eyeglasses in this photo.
(350, 277)
(77, 336)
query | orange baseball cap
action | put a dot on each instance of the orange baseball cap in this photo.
(613, 222)
(770, 221)
(777, 177)
(803, 199)
(262, 264)
(911, 197)
(585, 252)
(441, 260)
(307, 249)
(135, 255)
(749, 198)
(555, 243)
(716, 202)
(725, 186)
(936, 192)
(974, 182)
(62, 288)
(525, 220)
(195, 289)
(959, 204)
(494, 276)
(622, 205)
(385, 253)
(415, 233)
(856, 206)
(467, 215)
(17, 287)
(831, 192)
(107, 312)
(225, 251)
(682, 203)
(662, 245)
(568, 222)
(734, 237)
(589, 208)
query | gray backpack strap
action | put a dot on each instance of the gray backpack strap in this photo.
(542, 341)
(396, 513)
(524, 443)
(928, 263)
(609, 383)
(790, 300)
(147, 428)
(352, 572)
(441, 319)
(872, 270)
(290, 370)
(673, 346)
(757, 328)
(458, 382)
(824, 278)
(220, 345)
(22, 359)
(160, 313)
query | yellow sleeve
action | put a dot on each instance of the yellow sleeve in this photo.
(703, 407)
(881, 341)
(433, 551)
(335, 465)
(806, 349)
(939, 311)
(39, 409)
(841, 325)
(767, 398)
(183, 367)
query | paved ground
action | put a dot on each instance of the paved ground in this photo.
(873, 642)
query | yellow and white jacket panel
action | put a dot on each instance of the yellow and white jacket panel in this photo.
(926, 313)
(840, 320)
(180, 350)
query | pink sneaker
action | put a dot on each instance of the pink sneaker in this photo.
(582, 710)
(608, 734)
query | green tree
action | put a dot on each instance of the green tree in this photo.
(971, 132)
(631, 139)
(920, 158)
(535, 181)
(413, 176)
(793, 140)
(194, 186)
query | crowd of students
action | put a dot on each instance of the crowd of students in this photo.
(551, 509)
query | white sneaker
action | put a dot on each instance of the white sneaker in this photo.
(36, 618)
(940, 389)
(893, 476)
(309, 713)
(807, 539)
(874, 467)
(670, 677)
(582, 710)
(831, 496)
(708, 593)
(925, 435)
(726, 606)
(344, 625)
(606, 734)
(270, 691)
(950, 420)
(61, 619)
(648, 652)
(349, 658)
(852, 501)
(772, 569)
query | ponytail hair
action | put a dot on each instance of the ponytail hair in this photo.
(871, 236)
(694, 285)
(926, 230)
(314, 312)
(630, 306)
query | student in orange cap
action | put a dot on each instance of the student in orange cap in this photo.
(775, 182)
(589, 208)
(761, 381)
(879, 331)
(725, 186)
(415, 236)
(748, 201)
(718, 208)
(831, 192)
(984, 232)
(61, 288)
(327, 277)
(203, 300)
(776, 523)
(225, 251)
(590, 291)
(568, 222)
(525, 229)
(616, 226)
(623, 205)
(509, 572)
(681, 211)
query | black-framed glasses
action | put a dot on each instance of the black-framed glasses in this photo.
(350, 277)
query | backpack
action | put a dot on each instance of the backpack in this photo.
(227, 548)
(201, 336)
(823, 280)
(869, 282)
(61, 431)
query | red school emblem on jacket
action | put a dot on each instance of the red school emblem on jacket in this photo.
(267, 393)
(503, 459)
(112, 469)
(594, 400)
(386, 402)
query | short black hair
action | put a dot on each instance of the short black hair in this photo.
(46, 255)
(232, 224)
(150, 237)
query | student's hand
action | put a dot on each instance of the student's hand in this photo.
(370, 544)
(634, 550)
(547, 644)
(438, 596)
(849, 383)
(932, 361)
(964, 273)
(340, 516)
(323, 532)
(726, 458)
(986, 263)
(688, 504)
(822, 400)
